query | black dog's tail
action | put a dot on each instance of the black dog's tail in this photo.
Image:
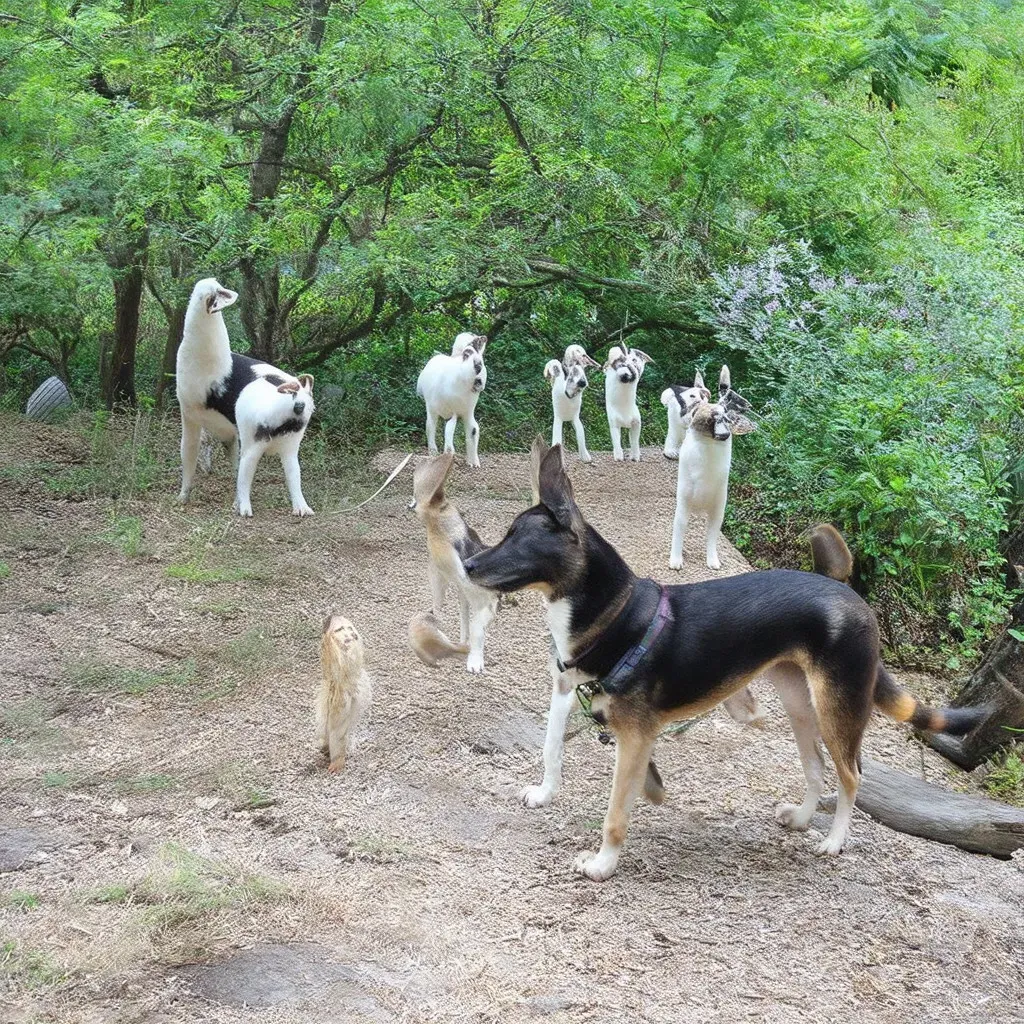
(903, 706)
(832, 558)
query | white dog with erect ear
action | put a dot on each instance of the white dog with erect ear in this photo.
(248, 405)
(622, 372)
(568, 380)
(705, 457)
(677, 400)
(450, 386)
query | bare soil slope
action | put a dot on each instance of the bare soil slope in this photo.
(172, 849)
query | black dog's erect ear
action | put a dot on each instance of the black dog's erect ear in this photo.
(539, 449)
(556, 492)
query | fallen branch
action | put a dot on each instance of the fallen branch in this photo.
(918, 808)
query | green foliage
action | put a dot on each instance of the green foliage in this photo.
(1005, 778)
(374, 178)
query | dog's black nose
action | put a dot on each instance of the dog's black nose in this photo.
(298, 407)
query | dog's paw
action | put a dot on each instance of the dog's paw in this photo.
(618, 457)
(830, 847)
(634, 457)
(675, 563)
(245, 511)
(793, 816)
(183, 497)
(588, 458)
(536, 796)
(714, 563)
(475, 664)
(594, 866)
(474, 465)
(671, 455)
(302, 511)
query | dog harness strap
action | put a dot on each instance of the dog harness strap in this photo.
(630, 661)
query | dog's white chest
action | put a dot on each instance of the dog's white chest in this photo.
(703, 469)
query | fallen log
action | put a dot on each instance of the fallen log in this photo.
(918, 808)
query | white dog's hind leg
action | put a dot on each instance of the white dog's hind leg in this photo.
(634, 440)
(472, 442)
(616, 433)
(716, 513)
(581, 441)
(190, 436)
(449, 434)
(293, 478)
(679, 525)
(246, 471)
(431, 431)
(563, 698)
(556, 431)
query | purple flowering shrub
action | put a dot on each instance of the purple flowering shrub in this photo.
(890, 409)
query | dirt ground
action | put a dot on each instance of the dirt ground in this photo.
(172, 850)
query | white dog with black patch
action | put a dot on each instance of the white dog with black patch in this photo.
(622, 372)
(248, 405)
(450, 386)
(677, 400)
(705, 458)
(568, 380)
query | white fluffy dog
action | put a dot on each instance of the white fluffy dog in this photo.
(677, 400)
(705, 458)
(450, 386)
(622, 372)
(243, 402)
(568, 380)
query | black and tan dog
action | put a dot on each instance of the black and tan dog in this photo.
(667, 653)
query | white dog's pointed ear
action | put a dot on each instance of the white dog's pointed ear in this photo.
(306, 381)
(587, 361)
(221, 299)
(556, 492)
(552, 369)
(724, 382)
(538, 450)
(480, 343)
(289, 387)
(643, 356)
(698, 380)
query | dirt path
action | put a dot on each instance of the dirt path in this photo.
(173, 849)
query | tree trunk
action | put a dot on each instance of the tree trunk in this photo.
(918, 808)
(128, 261)
(997, 682)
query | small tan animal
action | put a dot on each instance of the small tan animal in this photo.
(345, 691)
(450, 540)
(829, 552)
(429, 643)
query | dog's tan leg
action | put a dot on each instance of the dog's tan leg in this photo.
(842, 727)
(796, 699)
(438, 590)
(632, 754)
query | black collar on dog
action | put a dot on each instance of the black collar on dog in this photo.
(628, 663)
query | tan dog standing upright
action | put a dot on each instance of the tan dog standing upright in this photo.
(344, 692)
(450, 540)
